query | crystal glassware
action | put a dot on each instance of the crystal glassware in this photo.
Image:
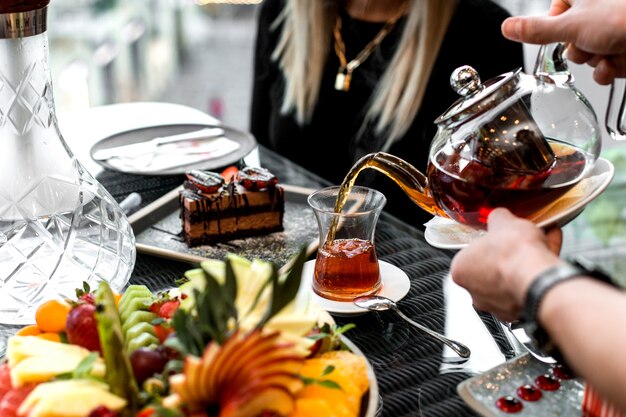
(346, 266)
(59, 227)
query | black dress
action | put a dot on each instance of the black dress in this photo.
(329, 144)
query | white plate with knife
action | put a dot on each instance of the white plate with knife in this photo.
(173, 149)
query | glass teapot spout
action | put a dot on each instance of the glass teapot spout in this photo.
(409, 178)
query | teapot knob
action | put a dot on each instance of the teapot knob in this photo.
(465, 81)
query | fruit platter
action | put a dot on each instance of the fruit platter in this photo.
(234, 338)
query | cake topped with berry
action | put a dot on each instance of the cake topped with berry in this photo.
(217, 209)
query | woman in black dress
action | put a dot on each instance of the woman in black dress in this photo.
(336, 79)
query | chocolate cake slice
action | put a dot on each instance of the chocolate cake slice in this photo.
(231, 211)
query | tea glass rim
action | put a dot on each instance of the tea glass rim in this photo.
(335, 189)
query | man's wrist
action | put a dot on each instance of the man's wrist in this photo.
(522, 271)
(542, 284)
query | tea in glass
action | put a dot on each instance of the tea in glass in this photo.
(346, 266)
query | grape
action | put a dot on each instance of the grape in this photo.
(147, 362)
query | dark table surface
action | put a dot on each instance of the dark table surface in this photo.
(406, 362)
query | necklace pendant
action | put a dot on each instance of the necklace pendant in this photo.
(342, 81)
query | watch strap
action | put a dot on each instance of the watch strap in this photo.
(540, 287)
(544, 282)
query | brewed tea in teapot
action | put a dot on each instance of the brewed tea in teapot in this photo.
(518, 141)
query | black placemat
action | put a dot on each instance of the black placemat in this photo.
(406, 362)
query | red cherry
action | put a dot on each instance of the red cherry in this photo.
(82, 327)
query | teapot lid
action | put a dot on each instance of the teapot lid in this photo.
(476, 96)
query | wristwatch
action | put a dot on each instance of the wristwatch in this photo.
(540, 287)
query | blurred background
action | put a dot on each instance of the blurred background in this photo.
(193, 52)
(199, 54)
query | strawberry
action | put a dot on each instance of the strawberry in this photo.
(13, 399)
(88, 298)
(230, 173)
(256, 178)
(206, 181)
(5, 379)
(82, 327)
(146, 412)
(85, 295)
(102, 411)
(162, 332)
(165, 308)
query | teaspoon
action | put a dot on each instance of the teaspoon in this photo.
(378, 303)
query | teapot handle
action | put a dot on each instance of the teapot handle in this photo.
(615, 120)
(551, 64)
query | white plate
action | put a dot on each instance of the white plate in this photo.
(447, 234)
(172, 162)
(395, 285)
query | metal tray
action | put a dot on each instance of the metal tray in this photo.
(481, 392)
(158, 230)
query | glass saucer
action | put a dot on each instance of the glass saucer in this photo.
(395, 285)
(444, 233)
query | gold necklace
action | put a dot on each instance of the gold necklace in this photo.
(344, 73)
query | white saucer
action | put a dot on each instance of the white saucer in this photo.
(447, 234)
(395, 285)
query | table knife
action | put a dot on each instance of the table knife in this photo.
(142, 148)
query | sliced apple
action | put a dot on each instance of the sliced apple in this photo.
(275, 399)
(249, 374)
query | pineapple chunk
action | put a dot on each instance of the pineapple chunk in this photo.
(33, 359)
(71, 398)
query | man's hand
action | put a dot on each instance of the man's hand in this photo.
(498, 268)
(595, 30)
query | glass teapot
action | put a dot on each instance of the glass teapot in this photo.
(518, 141)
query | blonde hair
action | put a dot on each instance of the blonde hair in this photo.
(305, 42)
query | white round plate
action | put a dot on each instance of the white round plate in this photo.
(395, 285)
(447, 234)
